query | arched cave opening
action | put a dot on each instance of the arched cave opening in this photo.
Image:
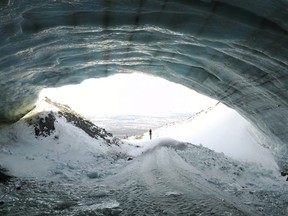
(232, 51)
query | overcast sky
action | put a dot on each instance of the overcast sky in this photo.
(129, 94)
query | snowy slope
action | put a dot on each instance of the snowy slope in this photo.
(176, 178)
(63, 151)
(223, 130)
(71, 173)
(166, 178)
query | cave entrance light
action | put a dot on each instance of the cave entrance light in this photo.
(131, 99)
(131, 104)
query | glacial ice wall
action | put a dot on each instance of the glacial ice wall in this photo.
(233, 51)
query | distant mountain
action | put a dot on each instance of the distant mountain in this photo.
(44, 123)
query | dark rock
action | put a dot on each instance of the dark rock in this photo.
(46, 125)
(287, 179)
(129, 159)
(65, 204)
(4, 178)
(1, 202)
(43, 126)
(18, 188)
(4, 3)
(87, 126)
(283, 173)
(94, 175)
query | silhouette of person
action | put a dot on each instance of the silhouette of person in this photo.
(150, 133)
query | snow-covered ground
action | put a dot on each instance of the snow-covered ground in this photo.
(222, 129)
(70, 173)
(68, 148)
(183, 179)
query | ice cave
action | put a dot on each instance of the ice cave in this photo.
(233, 51)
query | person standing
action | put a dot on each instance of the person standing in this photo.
(150, 134)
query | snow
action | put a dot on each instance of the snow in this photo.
(69, 173)
(224, 130)
(193, 173)
(69, 152)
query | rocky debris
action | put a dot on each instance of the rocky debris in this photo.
(44, 123)
(87, 126)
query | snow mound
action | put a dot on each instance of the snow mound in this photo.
(195, 179)
(43, 121)
(57, 144)
(223, 130)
